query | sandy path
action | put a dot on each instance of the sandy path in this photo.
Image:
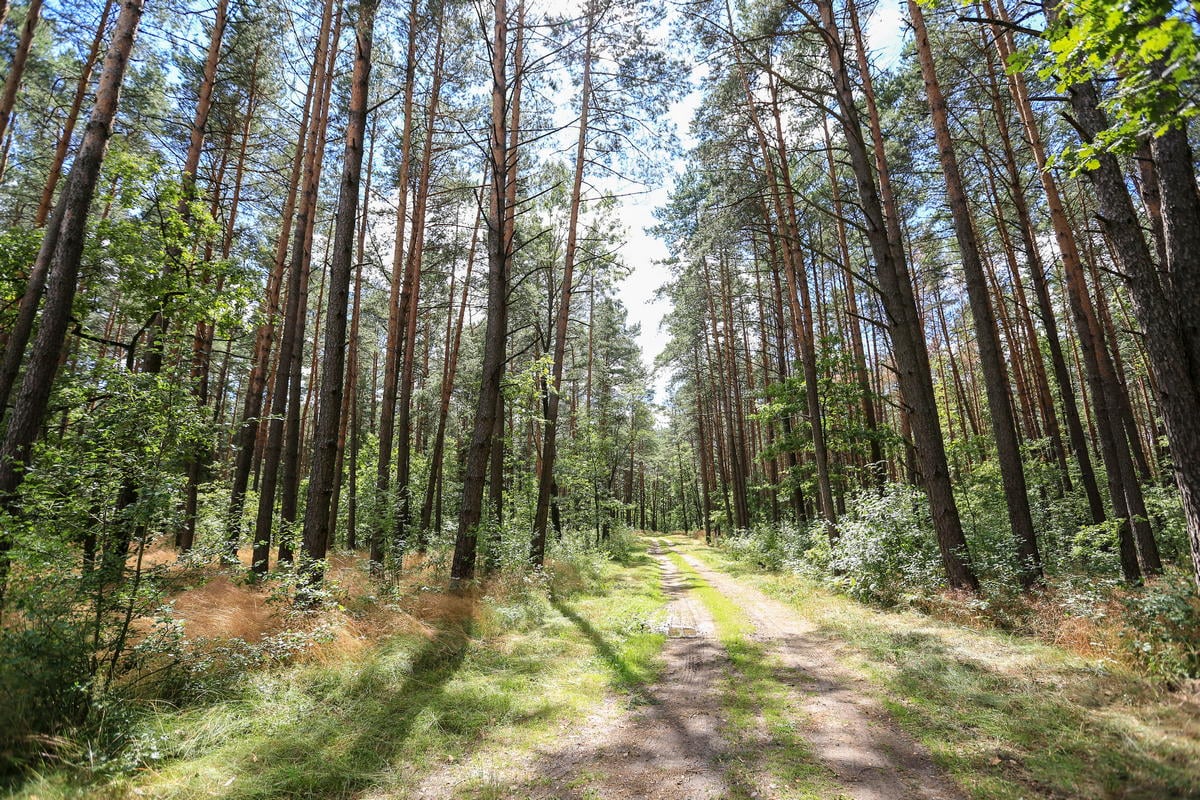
(669, 744)
(849, 732)
(666, 747)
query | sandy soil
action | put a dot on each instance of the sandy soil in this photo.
(668, 744)
(848, 731)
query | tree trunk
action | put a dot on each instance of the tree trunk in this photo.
(391, 361)
(437, 456)
(416, 248)
(1096, 361)
(987, 336)
(16, 71)
(248, 433)
(329, 407)
(537, 550)
(349, 397)
(904, 322)
(64, 140)
(294, 309)
(499, 246)
(64, 240)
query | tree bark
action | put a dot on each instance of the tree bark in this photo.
(64, 239)
(329, 408)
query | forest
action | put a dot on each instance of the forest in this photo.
(344, 453)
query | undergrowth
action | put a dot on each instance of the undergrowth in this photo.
(885, 554)
(399, 685)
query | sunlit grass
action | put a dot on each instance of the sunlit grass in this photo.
(504, 678)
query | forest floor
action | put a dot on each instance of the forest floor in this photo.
(750, 703)
(773, 688)
(674, 674)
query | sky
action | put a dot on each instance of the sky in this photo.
(644, 253)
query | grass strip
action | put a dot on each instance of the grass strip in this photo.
(764, 724)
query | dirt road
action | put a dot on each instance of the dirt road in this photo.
(673, 743)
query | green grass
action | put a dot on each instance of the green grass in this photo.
(1007, 716)
(376, 721)
(764, 725)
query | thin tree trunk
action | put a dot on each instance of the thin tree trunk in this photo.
(495, 335)
(63, 243)
(324, 461)
(64, 140)
(1096, 361)
(416, 249)
(294, 309)
(16, 71)
(252, 426)
(391, 364)
(1062, 374)
(537, 550)
(352, 368)
(437, 456)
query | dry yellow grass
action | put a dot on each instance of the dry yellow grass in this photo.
(214, 604)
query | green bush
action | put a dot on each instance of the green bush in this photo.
(785, 546)
(1162, 627)
(886, 549)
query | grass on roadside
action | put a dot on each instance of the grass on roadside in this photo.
(1008, 716)
(764, 726)
(501, 675)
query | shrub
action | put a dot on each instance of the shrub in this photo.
(1162, 627)
(886, 549)
(774, 547)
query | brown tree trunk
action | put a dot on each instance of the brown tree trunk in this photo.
(416, 248)
(987, 336)
(64, 140)
(878, 466)
(349, 397)
(1062, 374)
(294, 309)
(1173, 360)
(499, 246)
(537, 549)
(198, 468)
(329, 408)
(157, 331)
(16, 71)
(904, 322)
(437, 456)
(803, 324)
(249, 433)
(1097, 364)
(391, 361)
